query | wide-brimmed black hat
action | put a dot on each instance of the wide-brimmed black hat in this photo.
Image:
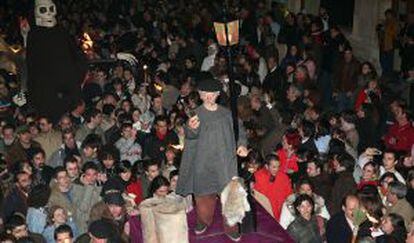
(209, 85)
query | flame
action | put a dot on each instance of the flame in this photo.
(158, 87)
(15, 48)
(87, 43)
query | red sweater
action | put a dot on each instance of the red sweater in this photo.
(404, 136)
(136, 189)
(276, 191)
(287, 163)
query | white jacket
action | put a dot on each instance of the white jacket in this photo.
(288, 212)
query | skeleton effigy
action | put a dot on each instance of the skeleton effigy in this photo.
(56, 67)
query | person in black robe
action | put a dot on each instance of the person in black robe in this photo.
(55, 65)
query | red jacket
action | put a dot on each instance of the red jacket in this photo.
(136, 189)
(404, 136)
(276, 191)
(363, 98)
(287, 163)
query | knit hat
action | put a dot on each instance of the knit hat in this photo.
(22, 129)
(114, 197)
(209, 85)
(100, 229)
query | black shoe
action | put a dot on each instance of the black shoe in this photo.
(200, 228)
(234, 236)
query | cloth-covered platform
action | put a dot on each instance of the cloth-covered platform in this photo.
(268, 230)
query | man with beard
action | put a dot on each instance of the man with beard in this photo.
(8, 138)
(42, 174)
(16, 200)
(22, 148)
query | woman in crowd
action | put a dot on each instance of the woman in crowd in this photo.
(288, 214)
(305, 228)
(287, 154)
(160, 187)
(58, 216)
(369, 175)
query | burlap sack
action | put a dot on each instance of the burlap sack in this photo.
(164, 220)
(234, 202)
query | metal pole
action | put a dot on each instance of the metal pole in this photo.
(232, 86)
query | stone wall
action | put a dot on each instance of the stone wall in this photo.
(367, 14)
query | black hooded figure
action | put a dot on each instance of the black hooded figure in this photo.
(56, 67)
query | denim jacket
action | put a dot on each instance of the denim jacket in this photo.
(36, 219)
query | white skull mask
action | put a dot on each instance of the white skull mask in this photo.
(45, 13)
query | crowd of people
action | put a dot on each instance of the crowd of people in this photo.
(330, 136)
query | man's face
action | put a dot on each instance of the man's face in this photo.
(128, 75)
(170, 155)
(97, 240)
(153, 171)
(73, 169)
(351, 204)
(89, 152)
(185, 89)
(389, 161)
(271, 63)
(45, 126)
(161, 127)
(63, 180)
(65, 123)
(63, 237)
(20, 231)
(209, 97)
(38, 160)
(391, 197)
(255, 103)
(25, 137)
(116, 210)
(188, 64)
(8, 134)
(108, 163)
(97, 119)
(90, 176)
(273, 167)
(100, 77)
(128, 132)
(305, 189)
(69, 140)
(157, 103)
(24, 181)
(348, 55)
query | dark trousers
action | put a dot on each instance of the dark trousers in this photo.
(387, 61)
(205, 207)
